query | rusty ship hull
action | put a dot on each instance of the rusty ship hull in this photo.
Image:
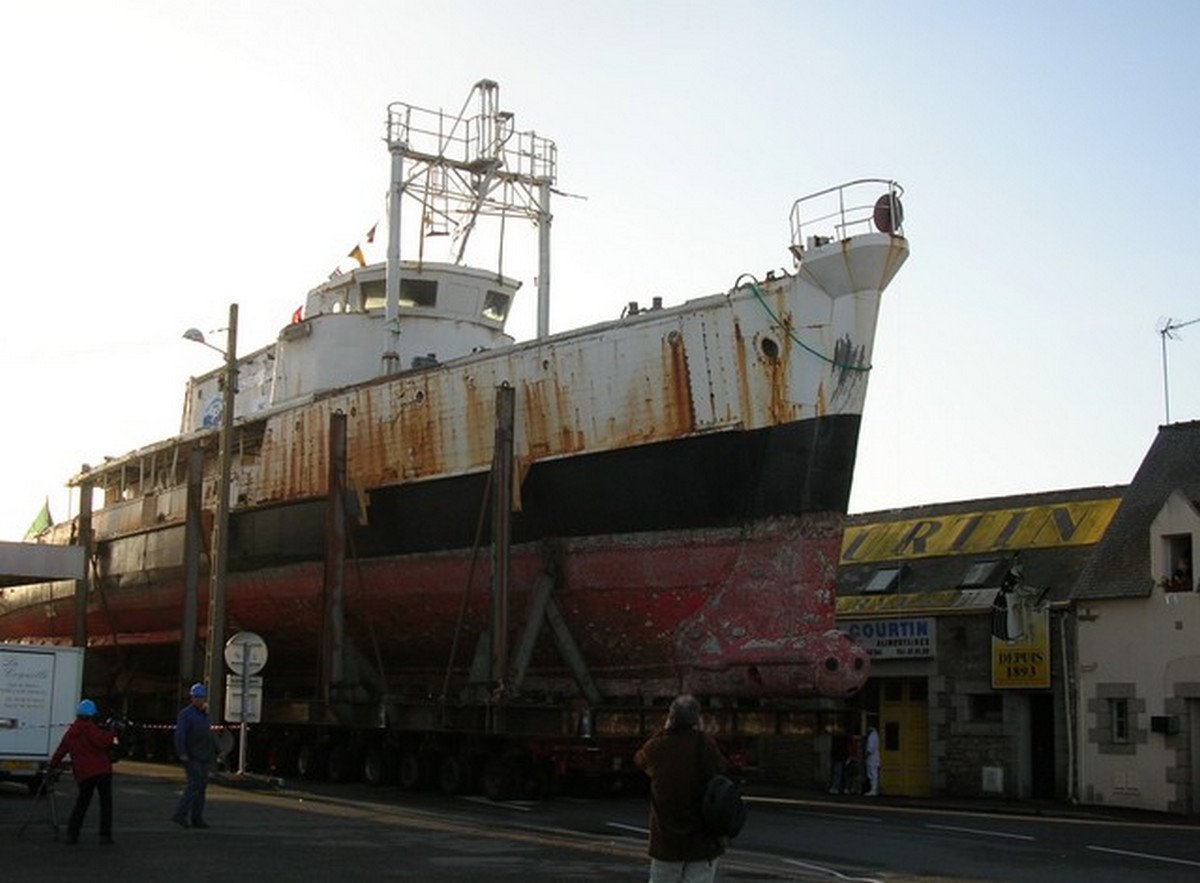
(722, 612)
(704, 559)
(673, 513)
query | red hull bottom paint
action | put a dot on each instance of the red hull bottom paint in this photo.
(730, 612)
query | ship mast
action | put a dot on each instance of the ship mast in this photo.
(461, 168)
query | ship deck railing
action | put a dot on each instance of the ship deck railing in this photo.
(840, 212)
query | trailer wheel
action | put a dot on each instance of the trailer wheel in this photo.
(311, 761)
(154, 750)
(379, 767)
(281, 757)
(499, 779)
(412, 771)
(453, 775)
(342, 764)
(258, 754)
(134, 741)
(544, 782)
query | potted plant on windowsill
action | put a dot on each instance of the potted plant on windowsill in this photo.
(1179, 582)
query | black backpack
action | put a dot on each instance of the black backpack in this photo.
(721, 804)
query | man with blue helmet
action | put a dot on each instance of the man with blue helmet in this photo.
(88, 745)
(195, 746)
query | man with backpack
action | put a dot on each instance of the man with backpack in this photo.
(680, 759)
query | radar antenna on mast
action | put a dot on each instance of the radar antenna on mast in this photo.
(1167, 328)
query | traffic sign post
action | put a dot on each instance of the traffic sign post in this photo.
(243, 699)
(246, 654)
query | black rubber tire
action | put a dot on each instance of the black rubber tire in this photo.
(499, 779)
(379, 767)
(453, 774)
(411, 772)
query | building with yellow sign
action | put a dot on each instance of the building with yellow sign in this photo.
(965, 610)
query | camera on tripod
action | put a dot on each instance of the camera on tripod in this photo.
(121, 728)
(117, 723)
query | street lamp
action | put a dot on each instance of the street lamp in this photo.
(214, 654)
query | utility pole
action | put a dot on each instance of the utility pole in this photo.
(214, 654)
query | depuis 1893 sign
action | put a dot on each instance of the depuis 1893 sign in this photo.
(1024, 663)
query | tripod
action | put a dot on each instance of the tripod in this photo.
(45, 792)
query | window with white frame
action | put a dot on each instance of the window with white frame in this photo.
(1118, 714)
(1118, 721)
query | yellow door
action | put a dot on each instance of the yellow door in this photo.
(904, 737)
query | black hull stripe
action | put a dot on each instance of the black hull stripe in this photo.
(718, 480)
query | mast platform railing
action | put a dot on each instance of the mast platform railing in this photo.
(483, 143)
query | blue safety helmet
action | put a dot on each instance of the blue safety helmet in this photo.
(198, 691)
(86, 708)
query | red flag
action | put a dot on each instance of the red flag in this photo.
(298, 316)
(371, 233)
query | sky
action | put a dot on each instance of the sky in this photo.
(165, 159)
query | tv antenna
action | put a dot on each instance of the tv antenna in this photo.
(1167, 328)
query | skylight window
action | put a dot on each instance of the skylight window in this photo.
(883, 580)
(983, 574)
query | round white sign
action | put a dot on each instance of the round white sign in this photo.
(246, 653)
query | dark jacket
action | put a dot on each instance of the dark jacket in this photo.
(193, 736)
(672, 761)
(87, 745)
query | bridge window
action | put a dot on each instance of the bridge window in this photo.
(495, 306)
(374, 295)
(418, 293)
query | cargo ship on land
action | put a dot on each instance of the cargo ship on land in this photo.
(475, 559)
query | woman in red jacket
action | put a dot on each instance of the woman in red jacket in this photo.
(88, 745)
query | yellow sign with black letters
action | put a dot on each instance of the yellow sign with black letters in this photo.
(1025, 662)
(973, 533)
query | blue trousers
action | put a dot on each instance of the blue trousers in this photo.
(191, 802)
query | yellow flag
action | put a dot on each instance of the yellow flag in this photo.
(357, 254)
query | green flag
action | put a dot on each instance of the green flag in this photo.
(42, 523)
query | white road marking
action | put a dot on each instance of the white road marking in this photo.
(517, 805)
(623, 827)
(1147, 855)
(981, 831)
(837, 816)
(830, 871)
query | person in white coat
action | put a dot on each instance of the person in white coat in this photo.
(872, 751)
